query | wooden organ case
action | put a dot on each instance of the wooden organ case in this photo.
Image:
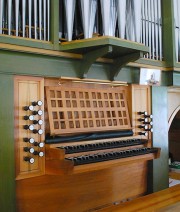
(80, 146)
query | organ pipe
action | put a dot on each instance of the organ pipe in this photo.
(1, 15)
(9, 16)
(109, 17)
(48, 20)
(121, 14)
(44, 18)
(88, 9)
(69, 9)
(23, 17)
(136, 5)
(30, 13)
(40, 19)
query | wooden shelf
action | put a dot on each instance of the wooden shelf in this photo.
(120, 50)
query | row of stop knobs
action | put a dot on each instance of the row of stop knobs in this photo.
(146, 123)
(31, 117)
(30, 127)
(32, 150)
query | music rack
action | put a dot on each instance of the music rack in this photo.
(77, 110)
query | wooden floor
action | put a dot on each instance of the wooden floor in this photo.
(167, 200)
(174, 175)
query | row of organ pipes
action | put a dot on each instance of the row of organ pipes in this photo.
(25, 18)
(134, 20)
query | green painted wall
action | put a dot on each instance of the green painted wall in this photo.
(168, 33)
(7, 164)
(159, 167)
(20, 63)
(176, 78)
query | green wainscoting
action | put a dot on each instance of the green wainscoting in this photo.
(7, 161)
(21, 63)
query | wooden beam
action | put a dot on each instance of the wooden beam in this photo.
(90, 57)
(119, 63)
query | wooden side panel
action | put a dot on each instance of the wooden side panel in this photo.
(140, 102)
(82, 192)
(27, 90)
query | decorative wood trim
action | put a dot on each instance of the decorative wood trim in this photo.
(31, 50)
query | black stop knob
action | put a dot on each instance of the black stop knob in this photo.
(39, 103)
(37, 112)
(30, 150)
(30, 140)
(29, 159)
(29, 127)
(41, 144)
(143, 133)
(40, 154)
(142, 113)
(40, 122)
(40, 131)
(30, 107)
(31, 117)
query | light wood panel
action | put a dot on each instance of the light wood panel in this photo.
(140, 102)
(82, 192)
(27, 90)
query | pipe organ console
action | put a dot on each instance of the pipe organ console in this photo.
(80, 146)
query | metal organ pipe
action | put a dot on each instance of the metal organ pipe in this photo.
(48, 20)
(143, 23)
(137, 4)
(29, 13)
(9, 16)
(152, 28)
(133, 20)
(17, 16)
(23, 17)
(1, 15)
(40, 19)
(109, 17)
(44, 18)
(93, 8)
(85, 9)
(69, 9)
(159, 28)
(88, 9)
(156, 30)
(35, 19)
(121, 15)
